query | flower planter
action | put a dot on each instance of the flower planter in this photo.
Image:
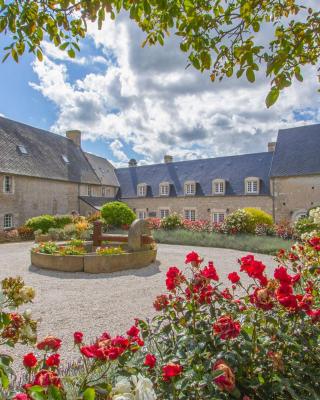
(57, 262)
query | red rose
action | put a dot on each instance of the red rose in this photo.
(315, 315)
(226, 294)
(30, 360)
(234, 277)
(150, 361)
(133, 331)
(53, 360)
(20, 396)
(226, 328)
(210, 272)
(226, 381)
(47, 378)
(174, 278)
(49, 343)
(281, 274)
(171, 370)
(194, 259)
(78, 337)
(262, 298)
(253, 268)
(161, 302)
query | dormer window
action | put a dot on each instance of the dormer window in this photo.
(190, 188)
(22, 149)
(252, 185)
(142, 190)
(65, 159)
(164, 189)
(218, 187)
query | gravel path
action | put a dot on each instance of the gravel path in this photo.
(67, 302)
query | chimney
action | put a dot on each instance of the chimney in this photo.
(132, 162)
(75, 136)
(167, 159)
(272, 146)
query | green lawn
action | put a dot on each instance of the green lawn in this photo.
(251, 243)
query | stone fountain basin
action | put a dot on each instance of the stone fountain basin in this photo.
(95, 264)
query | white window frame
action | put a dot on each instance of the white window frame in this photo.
(190, 211)
(252, 185)
(8, 218)
(103, 191)
(141, 213)
(219, 187)
(10, 180)
(216, 216)
(166, 211)
(190, 188)
(142, 190)
(164, 189)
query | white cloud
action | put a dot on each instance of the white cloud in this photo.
(146, 99)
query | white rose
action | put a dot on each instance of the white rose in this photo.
(122, 386)
(143, 388)
(123, 396)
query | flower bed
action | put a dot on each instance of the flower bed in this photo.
(207, 341)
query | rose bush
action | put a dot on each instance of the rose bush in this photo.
(208, 342)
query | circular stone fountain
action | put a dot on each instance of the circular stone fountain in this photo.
(139, 248)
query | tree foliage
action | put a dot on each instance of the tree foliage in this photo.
(221, 36)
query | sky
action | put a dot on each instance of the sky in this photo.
(134, 102)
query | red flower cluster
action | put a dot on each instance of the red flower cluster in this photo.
(150, 361)
(53, 360)
(46, 378)
(78, 337)
(174, 278)
(210, 272)
(226, 381)
(49, 343)
(226, 328)
(262, 298)
(171, 370)
(161, 302)
(30, 360)
(193, 258)
(315, 243)
(234, 277)
(107, 348)
(254, 269)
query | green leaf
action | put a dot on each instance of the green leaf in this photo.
(64, 46)
(14, 55)
(39, 55)
(89, 394)
(71, 53)
(272, 96)
(250, 75)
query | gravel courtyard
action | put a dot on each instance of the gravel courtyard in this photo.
(67, 302)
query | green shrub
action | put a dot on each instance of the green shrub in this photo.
(70, 230)
(305, 225)
(173, 221)
(56, 234)
(46, 248)
(43, 222)
(117, 214)
(240, 221)
(62, 220)
(259, 217)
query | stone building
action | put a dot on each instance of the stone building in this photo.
(41, 172)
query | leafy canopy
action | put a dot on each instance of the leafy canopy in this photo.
(222, 36)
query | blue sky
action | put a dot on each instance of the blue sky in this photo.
(142, 103)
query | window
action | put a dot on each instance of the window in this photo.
(89, 190)
(65, 158)
(142, 214)
(103, 192)
(142, 190)
(8, 221)
(164, 212)
(252, 185)
(190, 188)
(190, 214)
(218, 186)
(218, 217)
(8, 184)
(164, 189)
(22, 149)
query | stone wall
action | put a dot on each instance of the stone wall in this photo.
(295, 195)
(204, 206)
(34, 196)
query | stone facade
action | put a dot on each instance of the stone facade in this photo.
(204, 206)
(293, 196)
(34, 196)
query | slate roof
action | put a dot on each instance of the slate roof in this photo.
(297, 152)
(103, 169)
(234, 169)
(44, 158)
(96, 202)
